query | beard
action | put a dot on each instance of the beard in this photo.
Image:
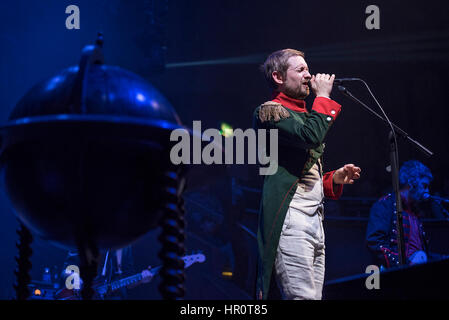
(298, 92)
(416, 199)
(416, 195)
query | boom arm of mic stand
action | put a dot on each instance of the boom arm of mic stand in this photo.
(397, 130)
(394, 167)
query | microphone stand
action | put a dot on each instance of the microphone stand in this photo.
(394, 158)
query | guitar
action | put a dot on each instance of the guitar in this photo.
(102, 290)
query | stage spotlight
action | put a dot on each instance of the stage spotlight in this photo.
(226, 130)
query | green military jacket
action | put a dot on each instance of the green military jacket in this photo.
(300, 145)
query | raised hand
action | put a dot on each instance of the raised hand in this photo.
(346, 174)
(418, 257)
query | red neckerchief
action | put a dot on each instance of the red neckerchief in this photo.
(293, 104)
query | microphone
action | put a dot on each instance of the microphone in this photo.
(343, 80)
(427, 196)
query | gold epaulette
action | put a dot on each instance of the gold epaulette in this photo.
(272, 111)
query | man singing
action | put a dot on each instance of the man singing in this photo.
(290, 233)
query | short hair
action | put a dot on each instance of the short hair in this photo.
(413, 170)
(277, 61)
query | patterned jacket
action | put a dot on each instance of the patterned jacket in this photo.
(381, 232)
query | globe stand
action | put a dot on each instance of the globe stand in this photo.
(172, 237)
(89, 258)
(23, 262)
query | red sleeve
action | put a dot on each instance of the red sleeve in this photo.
(326, 106)
(328, 186)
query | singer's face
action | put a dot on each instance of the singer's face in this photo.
(418, 189)
(297, 78)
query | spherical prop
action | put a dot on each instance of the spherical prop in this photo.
(84, 154)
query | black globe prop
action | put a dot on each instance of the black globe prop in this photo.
(85, 158)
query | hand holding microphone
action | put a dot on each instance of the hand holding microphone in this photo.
(322, 84)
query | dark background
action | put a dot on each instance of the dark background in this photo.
(213, 50)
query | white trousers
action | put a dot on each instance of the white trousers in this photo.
(299, 264)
